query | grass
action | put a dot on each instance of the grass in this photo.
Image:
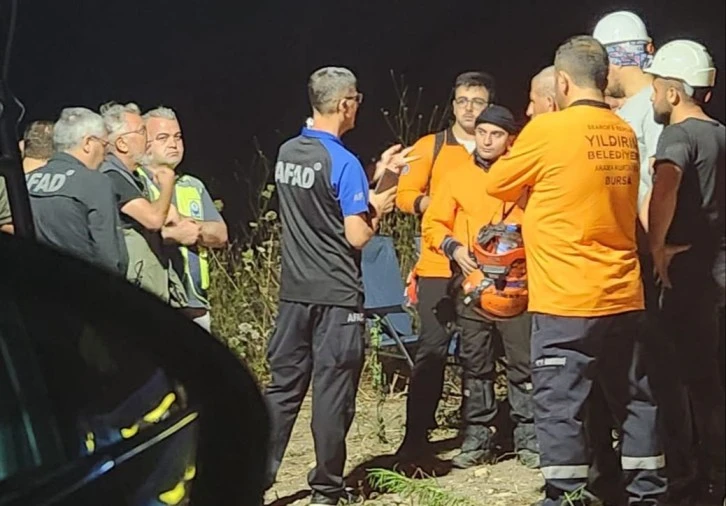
(418, 489)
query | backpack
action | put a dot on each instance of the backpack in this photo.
(439, 140)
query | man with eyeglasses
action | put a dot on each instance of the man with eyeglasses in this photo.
(141, 219)
(328, 216)
(438, 154)
(72, 203)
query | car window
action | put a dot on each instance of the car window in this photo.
(72, 387)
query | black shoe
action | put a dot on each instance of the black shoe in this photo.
(413, 449)
(348, 497)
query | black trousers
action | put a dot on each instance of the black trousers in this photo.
(690, 312)
(478, 359)
(674, 424)
(436, 311)
(325, 344)
(568, 355)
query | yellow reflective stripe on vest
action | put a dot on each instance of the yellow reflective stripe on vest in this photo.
(189, 203)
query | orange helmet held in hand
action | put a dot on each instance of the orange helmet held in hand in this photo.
(497, 290)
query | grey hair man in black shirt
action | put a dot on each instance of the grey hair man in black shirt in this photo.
(72, 203)
(328, 216)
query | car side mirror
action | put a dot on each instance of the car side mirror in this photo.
(111, 397)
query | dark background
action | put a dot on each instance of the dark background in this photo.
(234, 71)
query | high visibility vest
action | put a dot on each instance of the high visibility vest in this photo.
(188, 196)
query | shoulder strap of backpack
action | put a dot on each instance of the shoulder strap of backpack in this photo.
(439, 140)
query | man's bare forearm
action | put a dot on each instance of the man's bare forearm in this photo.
(214, 234)
(662, 208)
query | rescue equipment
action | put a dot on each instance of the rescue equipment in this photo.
(497, 289)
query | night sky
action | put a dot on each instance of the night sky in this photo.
(234, 73)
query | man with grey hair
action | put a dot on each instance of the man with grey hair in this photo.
(141, 219)
(72, 203)
(582, 167)
(328, 216)
(542, 93)
(194, 223)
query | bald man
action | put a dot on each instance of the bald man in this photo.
(542, 93)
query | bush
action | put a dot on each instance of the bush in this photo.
(245, 277)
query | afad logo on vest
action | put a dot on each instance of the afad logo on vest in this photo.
(195, 209)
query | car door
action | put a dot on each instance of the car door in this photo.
(107, 396)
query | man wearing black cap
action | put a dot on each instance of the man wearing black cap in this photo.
(454, 218)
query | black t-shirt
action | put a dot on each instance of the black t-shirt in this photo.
(698, 148)
(126, 191)
(128, 186)
(319, 182)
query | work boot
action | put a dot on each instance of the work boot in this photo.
(476, 448)
(528, 458)
(525, 444)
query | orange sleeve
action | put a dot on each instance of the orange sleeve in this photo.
(438, 220)
(414, 182)
(520, 167)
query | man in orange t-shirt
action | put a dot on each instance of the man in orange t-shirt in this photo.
(457, 213)
(582, 166)
(438, 154)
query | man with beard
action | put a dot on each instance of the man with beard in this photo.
(584, 284)
(688, 241)
(141, 219)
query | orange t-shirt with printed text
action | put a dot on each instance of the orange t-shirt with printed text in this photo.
(423, 177)
(461, 207)
(582, 165)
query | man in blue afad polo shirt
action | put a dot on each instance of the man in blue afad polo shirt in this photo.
(328, 215)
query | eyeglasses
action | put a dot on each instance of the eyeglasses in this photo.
(140, 131)
(475, 102)
(103, 142)
(358, 97)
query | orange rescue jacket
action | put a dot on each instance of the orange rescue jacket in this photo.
(582, 166)
(423, 177)
(462, 207)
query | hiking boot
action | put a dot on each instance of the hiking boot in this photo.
(528, 458)
(476, 448)
(348, 497)
(474, 458)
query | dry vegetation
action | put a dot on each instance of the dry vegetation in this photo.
(245, 284)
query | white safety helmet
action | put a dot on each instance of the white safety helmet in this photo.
(686, 61)
(621, 26)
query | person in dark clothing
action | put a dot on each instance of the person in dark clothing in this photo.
(327, 217)
(142, 219)
(688, 240)
(73, 204)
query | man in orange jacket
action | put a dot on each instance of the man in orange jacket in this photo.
(439, 153)
(458, 211)
(582, 167)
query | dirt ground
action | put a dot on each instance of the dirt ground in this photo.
(372, 441)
